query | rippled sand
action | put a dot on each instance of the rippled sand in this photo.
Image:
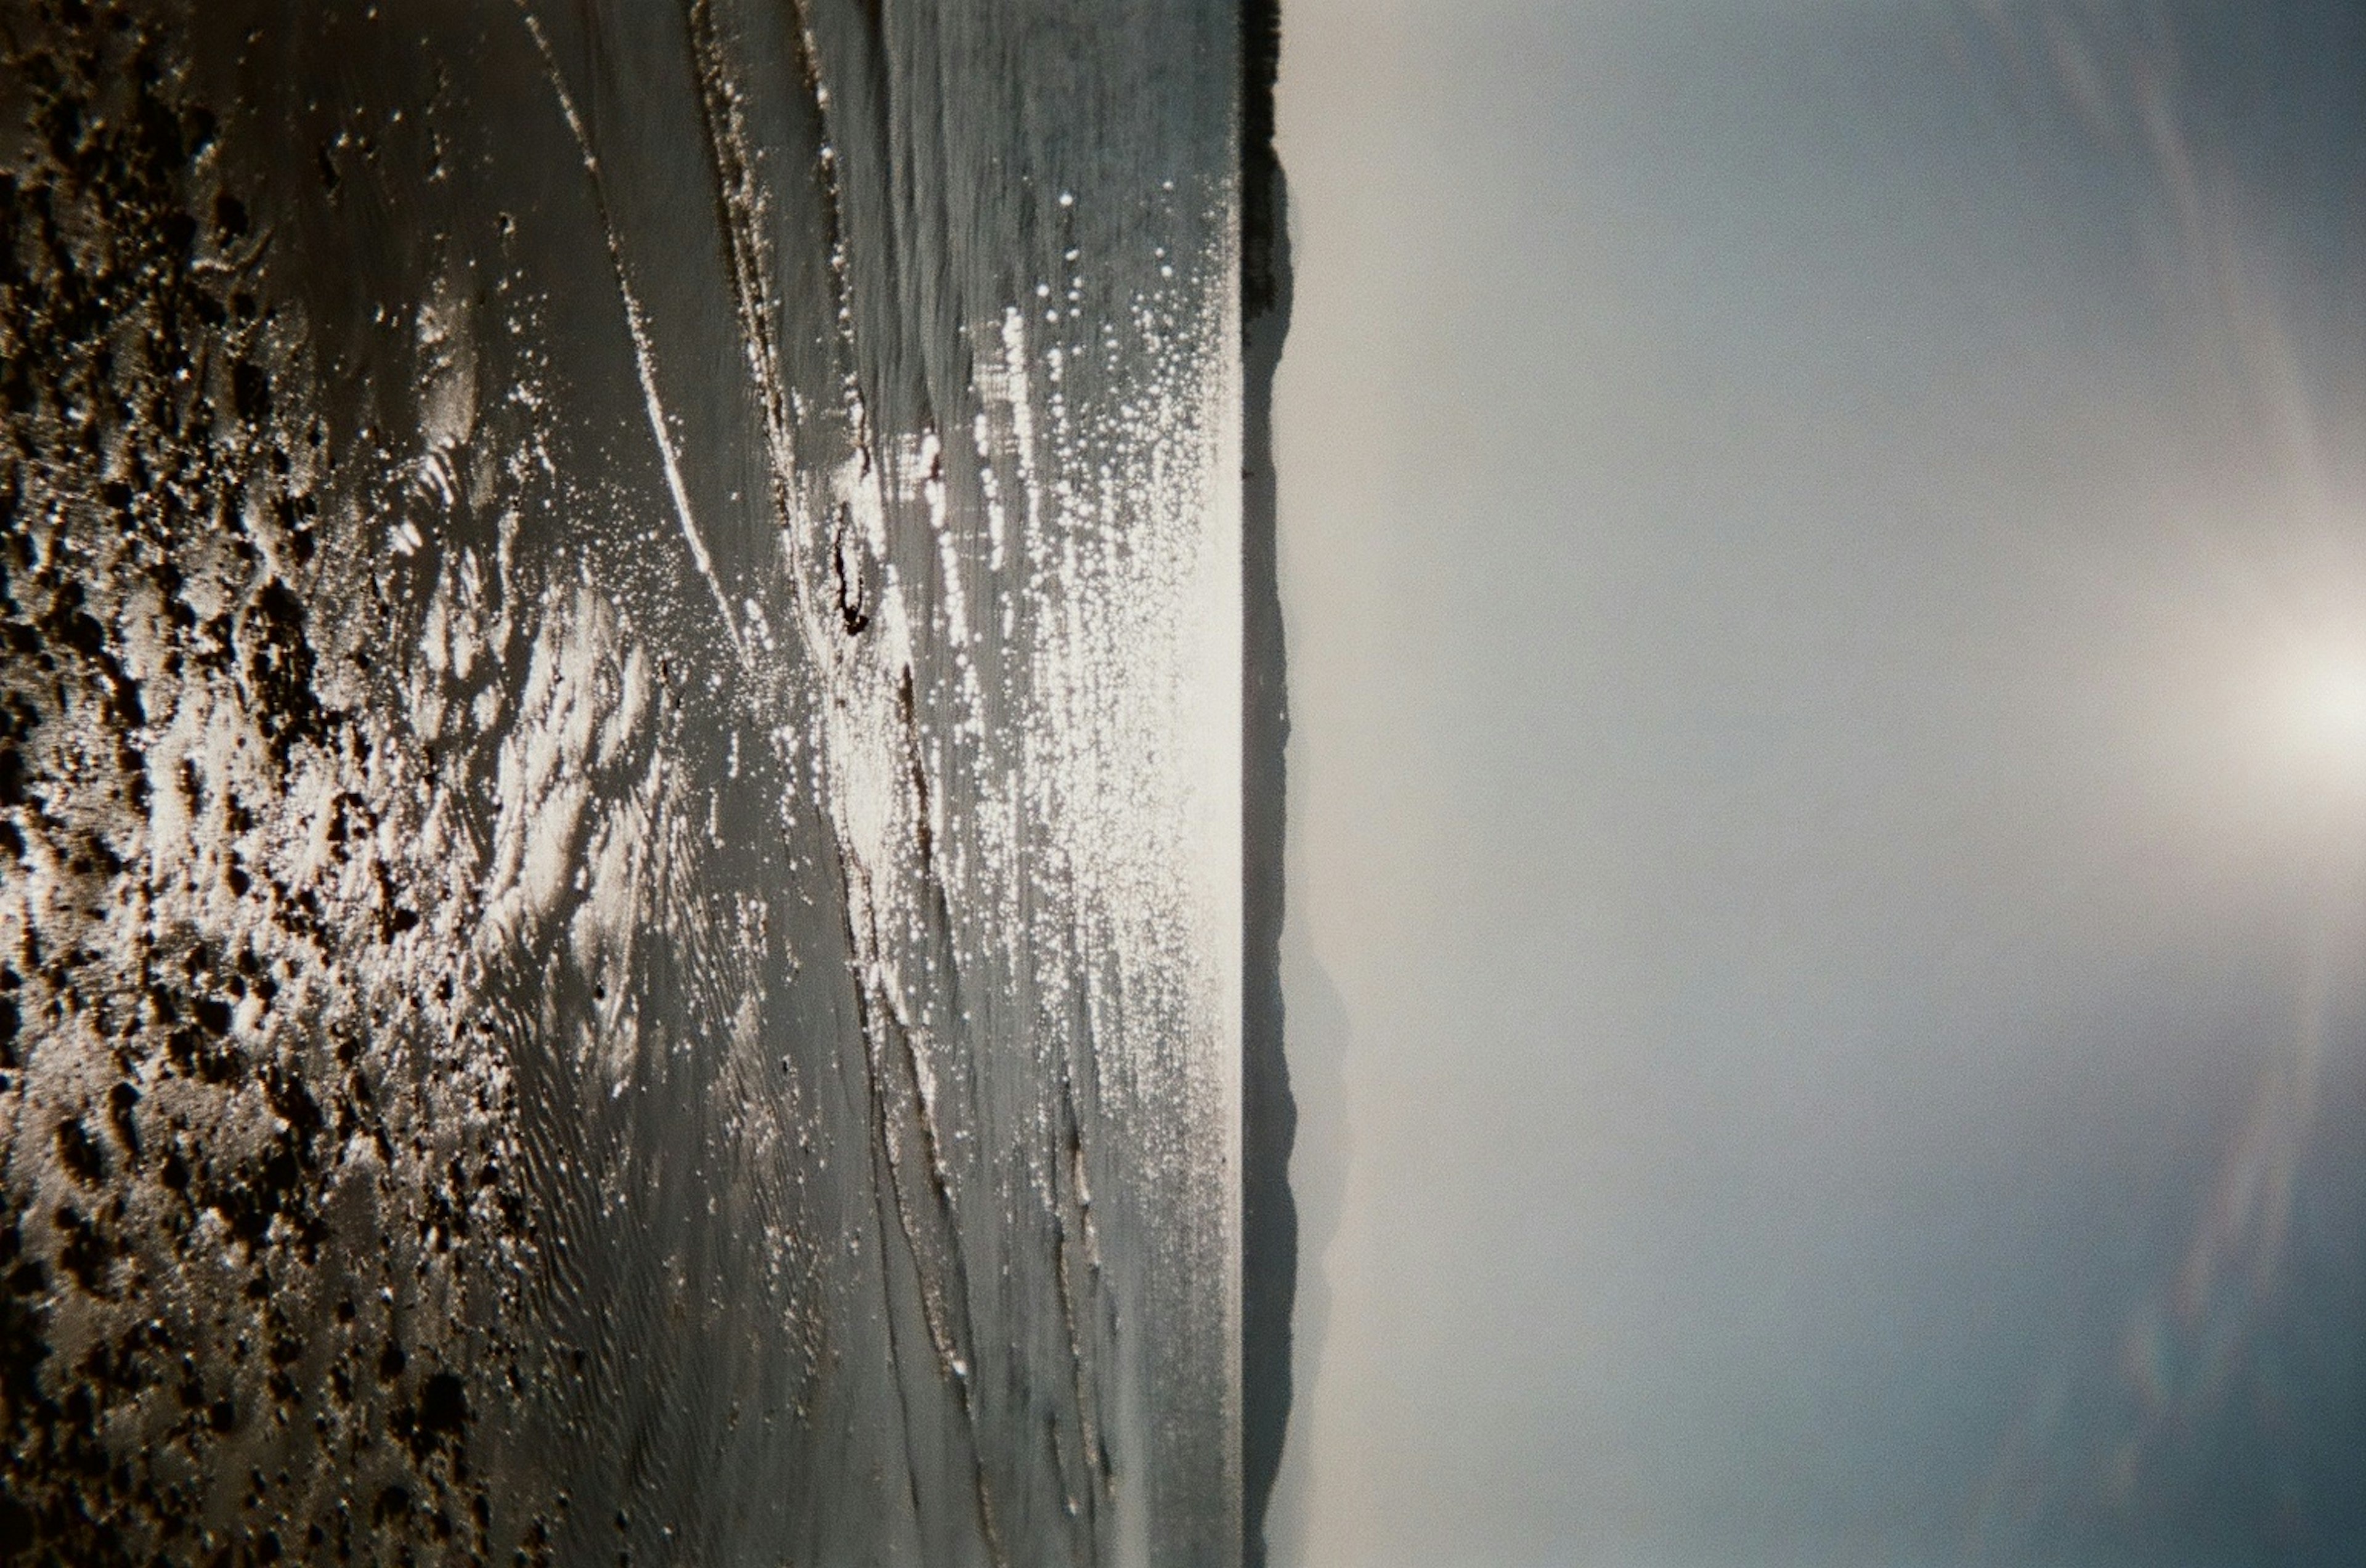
(620, 792)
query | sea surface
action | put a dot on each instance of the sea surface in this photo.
(620, 782)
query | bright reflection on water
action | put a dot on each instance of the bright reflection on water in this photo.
(621, 907)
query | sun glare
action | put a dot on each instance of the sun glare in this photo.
(2335, 703)
(2322, 696)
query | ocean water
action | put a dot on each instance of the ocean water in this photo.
(621, 889)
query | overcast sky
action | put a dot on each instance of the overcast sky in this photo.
(1823, 544)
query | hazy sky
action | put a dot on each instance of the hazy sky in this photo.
(1824, 545)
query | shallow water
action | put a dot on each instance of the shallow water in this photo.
(621, 895)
